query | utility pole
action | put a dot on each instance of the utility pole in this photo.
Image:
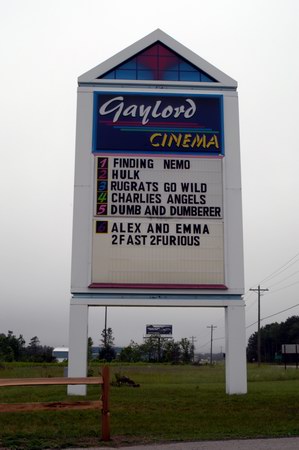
(211, 350)
(259, 290)
(193, 339)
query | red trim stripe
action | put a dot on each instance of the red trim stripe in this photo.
(156, 286)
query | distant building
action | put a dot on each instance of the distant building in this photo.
(60, 353)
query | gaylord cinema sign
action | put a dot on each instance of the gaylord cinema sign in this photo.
(158, 214)
(157, 195)
(153, 123)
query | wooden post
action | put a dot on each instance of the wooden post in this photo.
(104, 380)
(105, 408)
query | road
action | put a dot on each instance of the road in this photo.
(244, 444)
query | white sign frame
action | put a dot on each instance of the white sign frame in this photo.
(84, 205)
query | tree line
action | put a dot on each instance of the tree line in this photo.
(153, 349)
(159, 349)
(273, 336)
(14, 348)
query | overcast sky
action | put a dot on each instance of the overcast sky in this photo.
(45, 46)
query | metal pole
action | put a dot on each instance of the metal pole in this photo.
(105, 338)
(211, 350)
(259, 290)
(259, 327)
(193, 347)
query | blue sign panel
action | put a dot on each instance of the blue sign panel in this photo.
(158, 123)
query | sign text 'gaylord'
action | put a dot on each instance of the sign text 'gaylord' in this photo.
(118, 106)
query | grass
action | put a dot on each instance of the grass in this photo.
(173, 403)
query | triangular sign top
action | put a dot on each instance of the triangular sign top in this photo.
(157, 57)
(158, 63)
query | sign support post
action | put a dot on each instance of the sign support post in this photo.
(235, 345)
(78, 337)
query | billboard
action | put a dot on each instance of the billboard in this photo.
(159, 330)
(290, 348)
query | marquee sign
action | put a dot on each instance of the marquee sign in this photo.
(151, 123)
(159, 223)
(158, 210)
(158, 187)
